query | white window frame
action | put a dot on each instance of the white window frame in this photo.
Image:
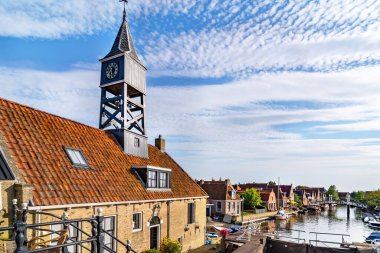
(76, 157)
(161, 180)
(141, 222)
(115, 230)
(150, 180)
(216, 207)
(233, 194)
(77, 247)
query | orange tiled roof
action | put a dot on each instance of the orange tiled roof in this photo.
(218, 190)
(36, 140)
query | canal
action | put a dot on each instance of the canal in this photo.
(329, 221)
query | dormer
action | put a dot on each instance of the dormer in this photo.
(154, 178)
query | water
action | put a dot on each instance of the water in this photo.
(330, 221)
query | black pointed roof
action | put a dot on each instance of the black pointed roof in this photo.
(123, 42)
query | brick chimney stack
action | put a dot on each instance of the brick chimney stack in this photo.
(160, 143)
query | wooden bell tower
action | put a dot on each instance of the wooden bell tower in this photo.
(123, 91)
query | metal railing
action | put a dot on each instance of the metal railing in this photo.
(95, 239)
(316, 241)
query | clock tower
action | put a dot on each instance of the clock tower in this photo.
(123, 91)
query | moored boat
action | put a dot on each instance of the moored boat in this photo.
(374, 224)
(373, 237)
(281, 215)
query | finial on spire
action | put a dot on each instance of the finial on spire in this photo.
(125, 3)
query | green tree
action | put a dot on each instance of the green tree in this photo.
(333, 192)
(297, 200)
(272, 183)
(358, 196)
(252, 198)
(372, 199)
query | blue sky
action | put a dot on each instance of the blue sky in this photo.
(250, 90)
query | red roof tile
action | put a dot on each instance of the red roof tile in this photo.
(36, 140)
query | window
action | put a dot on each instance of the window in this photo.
(233, 194)
(109, 227)
(218, 206)
(137, 221)
(163, 180)
(152, 179)
(233, 206)
(238, 208)
(73, 235)
(5, 171)
(137, 142)
(229, 207)
(190, 213)
(76, 157)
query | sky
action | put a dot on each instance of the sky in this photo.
(247, 90)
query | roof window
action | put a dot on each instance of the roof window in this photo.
(76, 157)
(5, 171)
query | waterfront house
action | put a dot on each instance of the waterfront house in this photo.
(284, 193)
(268, 198)
(223, 198)
(302, 196)
(57, 165)
(314, 194)
(343, 196)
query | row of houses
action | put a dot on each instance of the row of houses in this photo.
(224, 197)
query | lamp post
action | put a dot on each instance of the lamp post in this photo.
(348, 198)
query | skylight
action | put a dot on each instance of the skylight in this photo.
(76, 157)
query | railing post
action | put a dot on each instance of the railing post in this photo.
(14, 202)
(65, 217)
(129, 247)
(100, 232)
(20, 229)
(93, 233)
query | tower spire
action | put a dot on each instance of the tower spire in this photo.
(123, 42)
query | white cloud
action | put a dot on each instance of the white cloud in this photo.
(209, 39)
(232, 130)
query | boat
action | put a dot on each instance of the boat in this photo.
(368, 219)
(373, 237)
(374, 224)
(324, 207)
(281, 215)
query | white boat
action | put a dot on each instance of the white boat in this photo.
(374, 224)
(281, 215)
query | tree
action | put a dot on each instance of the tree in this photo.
(358, 196)
(252, 198)
(272, 183)
(372, 199)
(297, 200)
(333, 192)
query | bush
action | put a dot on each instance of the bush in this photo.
(170, 246)
(151, 251)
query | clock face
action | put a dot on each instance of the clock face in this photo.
(112, 70)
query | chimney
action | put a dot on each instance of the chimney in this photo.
(160, 143)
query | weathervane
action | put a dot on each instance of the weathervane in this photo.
(125, 3)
